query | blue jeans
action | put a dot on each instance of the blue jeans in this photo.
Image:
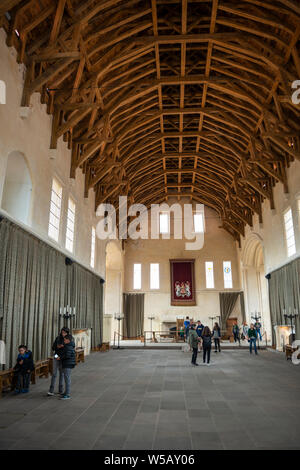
(253, 342)
(57, 367)
(67, 376)
(187, 330)
(259, 333)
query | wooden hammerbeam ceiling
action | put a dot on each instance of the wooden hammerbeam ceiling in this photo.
(167, 98)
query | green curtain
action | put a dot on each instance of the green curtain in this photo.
(284, 293)
(133, 323)
(227, 303)
(34, 283)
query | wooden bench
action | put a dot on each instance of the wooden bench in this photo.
(289, 351)
(6, 380)
(41, 370)
(8, 377)
(79, 355)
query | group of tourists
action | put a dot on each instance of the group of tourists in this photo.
(200, 337)
(64, 361)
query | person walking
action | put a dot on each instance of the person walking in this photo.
(252, 337)
(216, 337)
(57, 348)
(236, 333)
(206, 338)
(193, 342)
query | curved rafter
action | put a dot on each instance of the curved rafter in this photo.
(160, 98)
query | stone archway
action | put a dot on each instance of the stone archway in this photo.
(254, 282)
(113, 286)
(17, 190)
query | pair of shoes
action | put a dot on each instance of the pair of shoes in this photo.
(24, 390)
(65, 397)
(208, 364)
(50, 394)
(195, 364)
(216, 351)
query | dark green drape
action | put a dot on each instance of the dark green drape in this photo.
(34, 283)
(284, 293)
(227, 303)
(133, 323)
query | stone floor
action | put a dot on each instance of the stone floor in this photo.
(130, 399)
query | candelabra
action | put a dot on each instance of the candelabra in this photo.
(67, 313)
(212, 320)
(257, 317)
(119, 317)
(291, 316)
(151, 319)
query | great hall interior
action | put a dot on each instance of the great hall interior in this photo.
(182, 104)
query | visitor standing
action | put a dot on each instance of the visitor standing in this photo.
(199, 330)
(236, 332)
(57, 347)
(252, 337)
(245, 330)
(68, 360)
(193, 341)
(258, 329)
(186, 328)
(206, 338)
(217, 337)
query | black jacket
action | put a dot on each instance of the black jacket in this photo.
(67, 356)
(206, 341)
(58, 340)
(27, 365)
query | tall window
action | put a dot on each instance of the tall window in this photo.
(164, 222)
(137, 276)
(209, 271)
(93, 247)
(227, 274)
(198, 223)
(289, 232)
(70, 225)
(154, 276)
(55, 210)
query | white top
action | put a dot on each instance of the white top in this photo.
(2, 352)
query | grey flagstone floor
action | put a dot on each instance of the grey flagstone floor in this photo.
(131, 399)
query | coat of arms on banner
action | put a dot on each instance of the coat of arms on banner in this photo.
(182, 282)
(182, 289)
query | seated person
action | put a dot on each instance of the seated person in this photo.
(23, 369)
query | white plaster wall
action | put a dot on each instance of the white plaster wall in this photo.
(218, 246)
(31, 137)
(271, 236)
(271, 231)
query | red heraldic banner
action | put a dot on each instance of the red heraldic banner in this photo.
(183, 289)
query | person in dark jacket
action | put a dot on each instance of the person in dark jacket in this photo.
(236, 333)
(193, 342)
(206, 339)
(216, 337)
(252, 337)
(57, 349)
(199, 330)
(23, 369)
(68, 360)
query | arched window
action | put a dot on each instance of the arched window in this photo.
(17, 191)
